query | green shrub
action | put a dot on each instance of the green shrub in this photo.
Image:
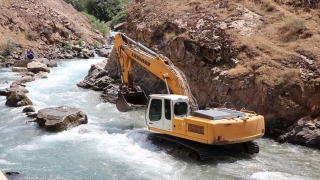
(293, 24)
(90, 17)
(3, 60)
(96, 24)
(80, 42)
(275, 123)
(9, 47)
(30, 36)
(67, 46)
(124, 2)
(95, 44)
(119, 18)
(102, 27)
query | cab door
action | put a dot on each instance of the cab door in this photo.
(167, 115)
(154, 114)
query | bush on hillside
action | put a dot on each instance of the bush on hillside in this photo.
(67, 46)
(89, 16)
(293, 24)
(102, 27)
(96, 24)
(9, 47)
(119, 18)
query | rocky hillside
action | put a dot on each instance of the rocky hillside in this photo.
(262, 55)
(43, 25)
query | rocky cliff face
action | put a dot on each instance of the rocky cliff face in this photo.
(235, 54)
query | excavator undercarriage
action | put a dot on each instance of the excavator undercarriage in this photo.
(195, 150)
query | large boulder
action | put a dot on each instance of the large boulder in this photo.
(97, 77)
(49, 63)
(103, 52)
(60, 118)
(306, 131)
(18, 98)
(36, 67)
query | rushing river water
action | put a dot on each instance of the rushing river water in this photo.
(113, 145)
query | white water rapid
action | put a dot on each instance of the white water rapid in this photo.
(113, 145)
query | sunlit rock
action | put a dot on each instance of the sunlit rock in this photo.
(60, 118)
(36, 67)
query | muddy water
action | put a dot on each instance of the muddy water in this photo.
(113, 145)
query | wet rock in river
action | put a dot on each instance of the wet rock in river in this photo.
(60, 118)
(18, 98)
(36, 67)
(306, 131)
(29, 109)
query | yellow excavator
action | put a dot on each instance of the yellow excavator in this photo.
(174, 117)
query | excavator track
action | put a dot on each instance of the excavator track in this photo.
(251, 147)
(190, 149)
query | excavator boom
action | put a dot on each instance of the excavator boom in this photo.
(128, 50)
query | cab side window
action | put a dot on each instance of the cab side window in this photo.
(167, 109)
(155, 110)
(180, 108)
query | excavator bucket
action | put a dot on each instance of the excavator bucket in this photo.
(130, 101)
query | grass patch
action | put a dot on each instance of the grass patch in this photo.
(124, 2)
(80, 42)
(30, 36)
(95, 45)
(97, 24)
(102, 27)
(9, 47)
(274, 76)
(288, 77)
(170, 35)
(67, 46)
(3, 60)
(119, 18)
(239, 70)
(89, 16)
(293, 24)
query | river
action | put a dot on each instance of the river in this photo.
(113, 145)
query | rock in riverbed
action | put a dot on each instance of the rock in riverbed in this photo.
(18, 98)
(60, 118)
(306, 131)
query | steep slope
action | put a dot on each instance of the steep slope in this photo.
(261, 55)
(38, 24)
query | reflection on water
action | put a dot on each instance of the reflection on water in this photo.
(114, 145)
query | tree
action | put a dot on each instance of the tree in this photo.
(79, 5)
(103, 9)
